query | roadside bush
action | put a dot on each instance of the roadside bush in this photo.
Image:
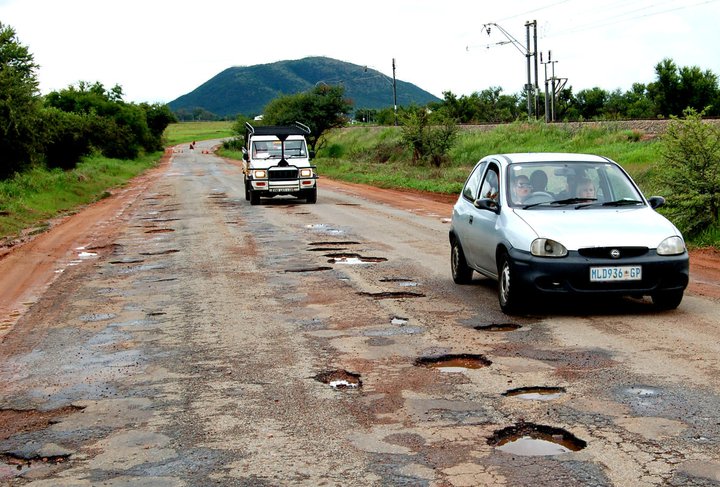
(689, 173)
(67, 138)
(428, 143)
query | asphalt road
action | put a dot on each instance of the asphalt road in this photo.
(211, 342)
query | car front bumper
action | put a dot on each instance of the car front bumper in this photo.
(571, 274)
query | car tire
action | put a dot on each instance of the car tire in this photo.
(461, 272)
(254, 198)
(311, 196)
(247, 190)
(667, 300)
(508, 290)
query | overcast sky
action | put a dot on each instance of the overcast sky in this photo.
(158, 50)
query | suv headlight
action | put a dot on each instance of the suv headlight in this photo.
(545, 247)
(259, 174)
(671, 246)
(306, 173)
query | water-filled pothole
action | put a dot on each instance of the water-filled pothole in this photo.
(498, 327)
(340, 379)
(348, 258)
(529, 439)
(400, 281)
(455, 361)
(392, 295)
(536, 393)
(399, 321)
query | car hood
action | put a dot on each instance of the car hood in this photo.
(600, 227)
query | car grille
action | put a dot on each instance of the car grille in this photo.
(283, 174)
(606, 252)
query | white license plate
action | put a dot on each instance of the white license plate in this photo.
(616, 273)
(281, 190)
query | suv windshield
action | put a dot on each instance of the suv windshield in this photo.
(272, 149)
(557, 184)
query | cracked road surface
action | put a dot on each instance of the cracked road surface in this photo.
(187, 338)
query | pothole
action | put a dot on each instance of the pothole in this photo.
(310, 269)
(399, 321)
(346, 258)
(340, 379)
(529, 439)
(159, 230)
(400, 281)
(94, 317)
(392, 295)
(498, 327)
(161, 252)
(536, 393)
(455, 361)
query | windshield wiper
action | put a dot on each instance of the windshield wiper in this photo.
(623, 202)
(568, 201)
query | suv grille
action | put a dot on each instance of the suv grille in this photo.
(283, 174)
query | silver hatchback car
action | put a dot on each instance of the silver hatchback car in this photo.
(554, 223)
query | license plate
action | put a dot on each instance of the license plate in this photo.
(281, 190)
(616, 273)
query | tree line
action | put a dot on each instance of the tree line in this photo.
(58, 129)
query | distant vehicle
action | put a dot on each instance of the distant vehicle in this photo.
(554, 224)
(276, 161)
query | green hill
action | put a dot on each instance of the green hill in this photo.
(247, 89)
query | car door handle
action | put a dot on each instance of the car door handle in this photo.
(470, 220)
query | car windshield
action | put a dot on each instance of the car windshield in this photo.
(577, 184)
(273, 149)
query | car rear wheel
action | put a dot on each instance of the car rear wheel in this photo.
(508, 291)
(247, 190)
(461, 272)
(254, 198)
(666, 300)
(311, 196)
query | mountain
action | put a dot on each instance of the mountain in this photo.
(247, 89)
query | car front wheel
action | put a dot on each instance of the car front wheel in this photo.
(508, 292)
(461, 272)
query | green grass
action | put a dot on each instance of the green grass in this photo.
(185, 132)
(29, 199)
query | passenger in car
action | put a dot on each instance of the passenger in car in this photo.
(521, 189)
(539, 180)
(585, 189)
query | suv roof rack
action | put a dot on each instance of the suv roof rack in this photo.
(281, 131)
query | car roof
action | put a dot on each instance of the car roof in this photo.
(520, 157)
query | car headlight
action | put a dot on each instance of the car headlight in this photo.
(259, 174)
(306, 173)
(545, 247)
(671, 246)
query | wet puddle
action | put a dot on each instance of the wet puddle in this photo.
(529, 439)
(399, 321)
(498, 327)
(454, 362)
(340, 379)
(400, 281)
(536, 393)
(325, 228)
(345, 258)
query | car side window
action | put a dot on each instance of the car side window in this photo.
(491, 184)
(470, 191)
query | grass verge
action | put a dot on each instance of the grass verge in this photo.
(31, 198)
(186, 132)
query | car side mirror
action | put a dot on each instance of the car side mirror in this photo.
(656, 201)
(487, 204)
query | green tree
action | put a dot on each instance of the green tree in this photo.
(428, 142)
(323, 108)
(19, 104)
(689, 173)
(679, 88)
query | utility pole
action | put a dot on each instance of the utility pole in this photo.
(528, 55)
(547, 93)
(535, 55)
(394, 93)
